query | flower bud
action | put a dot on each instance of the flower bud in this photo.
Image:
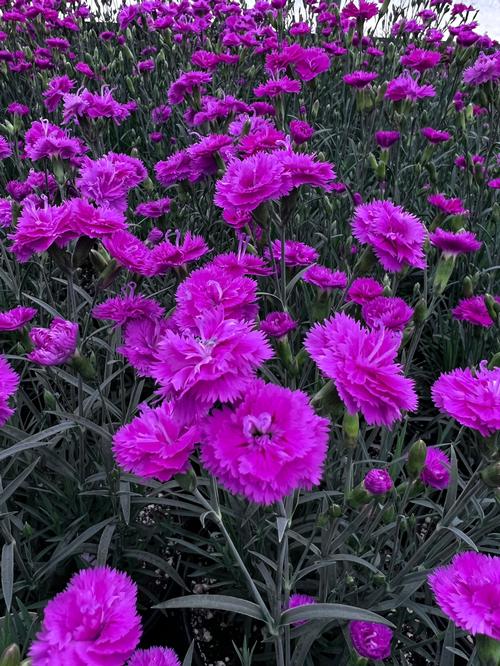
(315, 109)
(49, 401)
(350, 429)
(188, 480)
(443, 273)
(491, 475)
(488, 650)
(82, 250)
(491, 306)
(416, 459)
(10, 656)
(358, 496)
(420, 312)
(468, 287)
(372, 161)
(84, 367)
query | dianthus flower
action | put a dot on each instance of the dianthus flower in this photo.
(485, 69)
(108, 180)
(363, 11)
(296, 253)
(447, 206)
(155, 656)
(46, 140)
(471, 397)
(94, 105)
(297, 600)
(154, 445)
(396, 236)
(160, 114)
(186, 84)
(16, 318)
(311, 63)
(474, 311)
(84, 219)
(404, 87)
(176, 168)
(204, 155)
(467, 592)
(304, 169)
(128, 307)
(18, 109)
(388, 312)
(214, 361)
(360, 78)
(271, 444)
(371, 639)
(363, 290)
(436, 471)
(9, 382)
(275, 87)
(94, 621)
(453, 244)
(277, 324)
(241, 263)
(141, 339)
(300, 131)
(5, 212)
(378, 482)
(435, 136)
(362, 365)
(420, 59)
(130, 252)
(324, 278)
(56, 90)
(154, 209)
(54, 345)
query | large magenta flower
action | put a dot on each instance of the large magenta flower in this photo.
(362, 365)
(94, 622)
(142, 337)
(128, 307)
(467, 592)
(396, 236)
(371, 639)
(436, 472)
(54, 345)
(453, 244)
(405, 87)
(9, 382)
(271, 443)
(388, 312)
(474, 311)
(156, 656)
(470, 397)
(16, 318)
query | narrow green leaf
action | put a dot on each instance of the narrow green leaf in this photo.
(462, 536)
(8, 573)
(331, 612)
(332, 560)
(104, 543)
(40, 439)
(215, 602)
(188, 659)
(157, 562)
(14, 485)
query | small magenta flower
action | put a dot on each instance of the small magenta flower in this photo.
(371, 639)
(436, 472)
(156, 656)
(435, 136)
(16, 318)
(297, 600)
(387, 312)
(378, 482)
(9, 382)
(54, 345)
(278, 324)
(363, 290)
(474, 311)
(300, 131)
(360, 78)
(324, 278)
(453, 244)
(386, 138)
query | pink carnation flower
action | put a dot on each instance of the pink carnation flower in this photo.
(5, 149)
(371, 639)
(396, 236)
(420, 59)
(435, 136)
(154, 445)
(362, 365)
(278, 324)
(448, 206)
(363, 11)
(56, 89)
(87, 220)
(46, 140)
(453, 244)
(241, 263)
(360, 78)
(300, 131)
(386, 138)
(128, 307)
(363, 290)
(141, 339)
(16, 318)
(94, 621)
(297, 600)
(271, 444)
(5, 213)
(485, 69)
(311, 63)
(304, 169)
(436, 472)
(156, 656)
(404, 87)
(387, 312)
(467, 592)
(324, 278)
(186, 84)
(9, 383)
(474, 311)
(378, 482)
(216, 360)
(54, 345)
(296, 253)
(471, 397)
(167, 255)
(275, 87)
(154, 209)
(130, 252)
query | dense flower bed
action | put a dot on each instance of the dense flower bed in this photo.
(249, 326)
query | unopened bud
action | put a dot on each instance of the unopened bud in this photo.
(350, 429)
(359, 496)
(187, 481)
(416, 459)
(420, 312)
(10, 656)
(488, 650)
(443, 273)
(491, 475)
(492, 307)
(468, 287)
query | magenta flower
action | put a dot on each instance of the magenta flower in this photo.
(494, 183)
(46, 140)
(311, 63)
(167, 255)
(9, 383)
(56, 90)
(436, 472)
(474, 311)
(186, 84)
(241, 263)
(271, 443)
(396, 236)
(87, 220)
(300, 131)
(447, 206)
(176, 168)
(378, 482)
(362, 365)
(453, 244)
(216, 360)
(363, 290)
(16, 318)
(278, 324)
(304, 169)
(130, 252)
(154, 445)
(386, 312)
(405, 87)
(5, 213)
(156, 656)
(466, 591)
(128, 307)
(18, 109)
(94, 621)
(38, 228)
(297, 600)
(324, 278)
(471, 397)
(275, 87)
(485, 69)
(371, 639)
(360, 78)
(54, 345)
(296, 253)
(435, 136)
(363, 11)
(420, 59)
(5, 149)
(141, 339)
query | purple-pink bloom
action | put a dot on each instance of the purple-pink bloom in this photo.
(311, 63)
(275, 87)
(54, 345)
(363, 290)
(420, 59)
(363, 11)
(5, 213)
(363, 366)
(474, 311)
(436, 471)
(388, 312)
(56, 89)
(155, 656)
(405, 87)
(154, 209)
(296, 253)
(360, 78)
(167, 255)
(186, 84)
(378, 482)
(371, 639)
(94, 621)
(84, 219)
(9, 383)
(297, 600)
(396, 236)
(471, 397)
(304, 169)
(324, 278)
(11, 320)
(174, 169)
(154, 445)
(447, 206)
(435, 136)
(453, 244)
(241, 263)
(130, 252)
(467, 590)
(278, 324)
(269, 445)
(141, 339)
(128, 307)
(43, 139)
(485, 69)
(300, 131)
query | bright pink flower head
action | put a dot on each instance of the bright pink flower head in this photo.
(396, 236)
(156, 656)
(130, 252)
(154, 209)
(360, 78)
(467, 592)
(304, 169)
(311, 63)
(85, 219)
(447, 206)
(128, 307)
(277, 324)
(249, 182)
(494, 183)
(16, 318)
(141, 339)
(167, 255)
(38, 228)
(378, 482)
(297, 600)
(186, 84)
(362, 365)
(300, 131)
(54, 345)
(46, 140)
(215, 361)
(485, 69)
(5, 213)
(363, 11)
(56, 89)
(9, 382)
(470, 397)
(405, 87)
(371, 639)
(296, 253)
(387, 312)
(420, 59)
(275, 87)
(435, 136)
(205, 153)
(154, 445)
(474, 311)
(363, 290)
(453, 244)
(94, 621)
(436, 472)
(271, 443)
(324, 278)
(5, 149)
(176, 168)
(241, 263)
(208, 288)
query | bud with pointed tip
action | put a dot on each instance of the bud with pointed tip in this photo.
(416, 459)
